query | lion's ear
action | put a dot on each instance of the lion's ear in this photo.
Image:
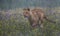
(28, 9)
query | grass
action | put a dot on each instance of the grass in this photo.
(17, 25)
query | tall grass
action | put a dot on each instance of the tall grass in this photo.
(17, 25)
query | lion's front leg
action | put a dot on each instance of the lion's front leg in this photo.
(34, 24)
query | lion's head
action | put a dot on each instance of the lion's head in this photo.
(26, 12)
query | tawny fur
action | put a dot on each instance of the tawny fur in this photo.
(35, 15)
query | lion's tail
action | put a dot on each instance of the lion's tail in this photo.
(49, 20)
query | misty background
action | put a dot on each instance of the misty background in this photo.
(11, 4)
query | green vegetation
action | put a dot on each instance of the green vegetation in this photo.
(19, 26)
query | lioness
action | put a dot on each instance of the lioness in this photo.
(35, 15)
(32, 17)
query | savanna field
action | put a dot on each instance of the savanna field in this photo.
(13, 23)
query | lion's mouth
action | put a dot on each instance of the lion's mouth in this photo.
(26, 17)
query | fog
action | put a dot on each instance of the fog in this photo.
(11, 4)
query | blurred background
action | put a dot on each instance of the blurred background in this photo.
(13, 23)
